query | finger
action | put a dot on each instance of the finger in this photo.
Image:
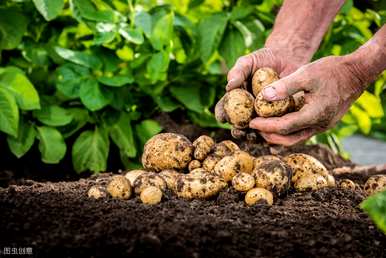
(288, 123)
(289, 140)
(239, 72)
(220, 112)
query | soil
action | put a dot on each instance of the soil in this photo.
(57, 219)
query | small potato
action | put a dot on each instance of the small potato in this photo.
(331, 180)
(149, 179)
(119, 187)
(238, 107)
(258, 195)
(133, 174)
(274, 175)
(96, 192)
(266, 108)
(167, 151)
(375, 184)
(170, 177)
(198, 185)
(310, 182)
(198, 171)
(225, 148)
(229, 166)
(194, 164)
(203, 145)
(347, 184)
(263, 77)
(210, 162)
(261, 159)
(243, 182)
(151, 195)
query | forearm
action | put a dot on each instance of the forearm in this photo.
(301, 25)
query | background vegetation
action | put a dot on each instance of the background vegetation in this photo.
(77, 76)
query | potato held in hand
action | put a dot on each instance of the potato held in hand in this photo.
(261, 78)
(238, 107)
(167, 151)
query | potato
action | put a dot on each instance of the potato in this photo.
(243, 182)
(238, 107)
(199, 185)
(225, 148)
(119, 187)
(167, 151)
(266, 108)
(170, 177)
(203, 145)
(198, 171)
(375, 184)
(96, 192)
(301, 164)
(229, 166)
(263, 77)
(331, 180)
(151, 195)
(194, 164)
(261, 159)
(258, 195)
(347, 184)
(148, 179)
(133, 174)
(274, 175)
(210, 162)
(310, 182)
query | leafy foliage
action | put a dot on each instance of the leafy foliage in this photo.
(375, 206)
(78, 76)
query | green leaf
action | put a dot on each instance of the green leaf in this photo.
(375, 207)
(143, 21)
(147, 129)
(51, 145)
(13, 25)
(85, 9)
(206, 119)
(162, 32)
(79, 57)
(189, 96)
(49, 8)
(166, 103)
(16, 82)
(241, 11)
(80, 118)
(70, 78)
(363, 119)
(210, 31)
(371, 104)
(24, 140)
(9, 113)
(53, 115)
(157, 67)
(122, 135)
(93, 96)
(116, 80)
(133, 35)
(90, 151)
(232, 46)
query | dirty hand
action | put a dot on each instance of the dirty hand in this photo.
(330, 85)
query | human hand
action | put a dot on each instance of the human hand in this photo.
(330, 86)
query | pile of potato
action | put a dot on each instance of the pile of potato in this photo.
(203, 168)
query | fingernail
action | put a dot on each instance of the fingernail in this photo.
(269, 93)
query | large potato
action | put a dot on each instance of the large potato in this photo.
(263, 77)
(225, 148)
(167, 151)
(148, 179)
(198, 185)
(375, 184)
(203, 145)
(238, 107)
(274, 175)
(229, 166)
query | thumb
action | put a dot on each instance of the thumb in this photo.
(284, 88)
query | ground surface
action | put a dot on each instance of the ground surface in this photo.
(58, 220)
(371, 151)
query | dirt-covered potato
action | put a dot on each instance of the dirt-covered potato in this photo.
(133, 174)
(375, 184)
(243, 182)
(167, 151)
(310, 181)
(119, 187)
(229, 166)
(170, 177)
(199, 185)
(210, 162)
(262, 159)
(266, 108)
(301, 164)
(225, 148)
(203, 145)
(149, 179)
(331, 180)
(263, 77)
(258, 195)
(97, 192)
(347, 184)
(151, 195)
(274, 175)
(194, 164)
(238, 107)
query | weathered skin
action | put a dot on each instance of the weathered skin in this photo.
(243, 182)
(203, 145)
(258, 195)
(119, 187)
(167, 151)
(375, 184)
(148, 179)
(238, 107)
